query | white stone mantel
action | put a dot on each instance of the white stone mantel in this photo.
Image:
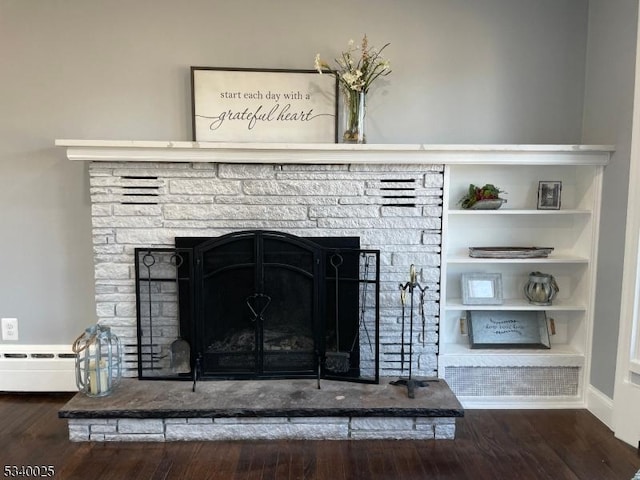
(329, 153)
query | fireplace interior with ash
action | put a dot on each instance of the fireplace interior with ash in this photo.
(258, 305)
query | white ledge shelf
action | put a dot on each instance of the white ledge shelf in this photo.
(517, 304)
(559, 355)
(514, 211)
(329, 153)
(561, 259)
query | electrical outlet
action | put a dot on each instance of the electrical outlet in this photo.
(9, 329)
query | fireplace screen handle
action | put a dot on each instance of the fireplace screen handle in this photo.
(256, 296)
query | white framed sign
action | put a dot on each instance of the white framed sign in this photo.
(255, 105)
(481, 288)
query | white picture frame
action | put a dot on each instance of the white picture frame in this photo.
(264, 105)
(481, 288)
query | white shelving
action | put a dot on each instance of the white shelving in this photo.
(516, 304)
(557, 258)
(572, 231)
(527, 213)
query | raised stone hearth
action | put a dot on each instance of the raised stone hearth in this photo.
(161, 411)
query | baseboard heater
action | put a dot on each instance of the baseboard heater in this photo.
(37, 368)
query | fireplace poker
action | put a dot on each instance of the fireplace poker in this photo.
(422, 293)
(403, 295)
(363, 307)
(180, 350)
(337, 361)
(412, 284)
(148, 260)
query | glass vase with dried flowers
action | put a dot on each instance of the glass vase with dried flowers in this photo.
(358, 67)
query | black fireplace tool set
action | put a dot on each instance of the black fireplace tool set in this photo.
(410, 288)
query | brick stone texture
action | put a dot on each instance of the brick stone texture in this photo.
(395, 208)
(281, 428)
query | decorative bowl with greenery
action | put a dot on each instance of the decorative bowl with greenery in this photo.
(487, 196)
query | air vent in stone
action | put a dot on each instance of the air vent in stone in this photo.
(139, 190)
(66, 355)
(398, 192)
(43, 355)
(38, 356)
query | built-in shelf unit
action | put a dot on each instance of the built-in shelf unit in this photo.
(522, 376)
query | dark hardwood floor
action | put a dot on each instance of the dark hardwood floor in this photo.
(504, 444)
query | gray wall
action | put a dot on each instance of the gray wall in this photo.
(464, 71)
(608, 109)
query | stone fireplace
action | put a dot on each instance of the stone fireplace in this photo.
(394, 208)
(153, 196)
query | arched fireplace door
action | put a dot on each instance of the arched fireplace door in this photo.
(258, 305)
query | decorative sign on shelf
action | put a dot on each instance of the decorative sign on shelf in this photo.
(481, 288)
(508, 329)
(252, 105)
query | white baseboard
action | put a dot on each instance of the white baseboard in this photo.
(520, 403)
(600, 405)
(37, 368)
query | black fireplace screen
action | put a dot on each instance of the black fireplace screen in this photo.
(258, 304)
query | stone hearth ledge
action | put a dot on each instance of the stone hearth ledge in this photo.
(263, 409)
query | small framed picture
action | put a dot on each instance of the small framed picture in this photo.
(549, 194)
(482, 289)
